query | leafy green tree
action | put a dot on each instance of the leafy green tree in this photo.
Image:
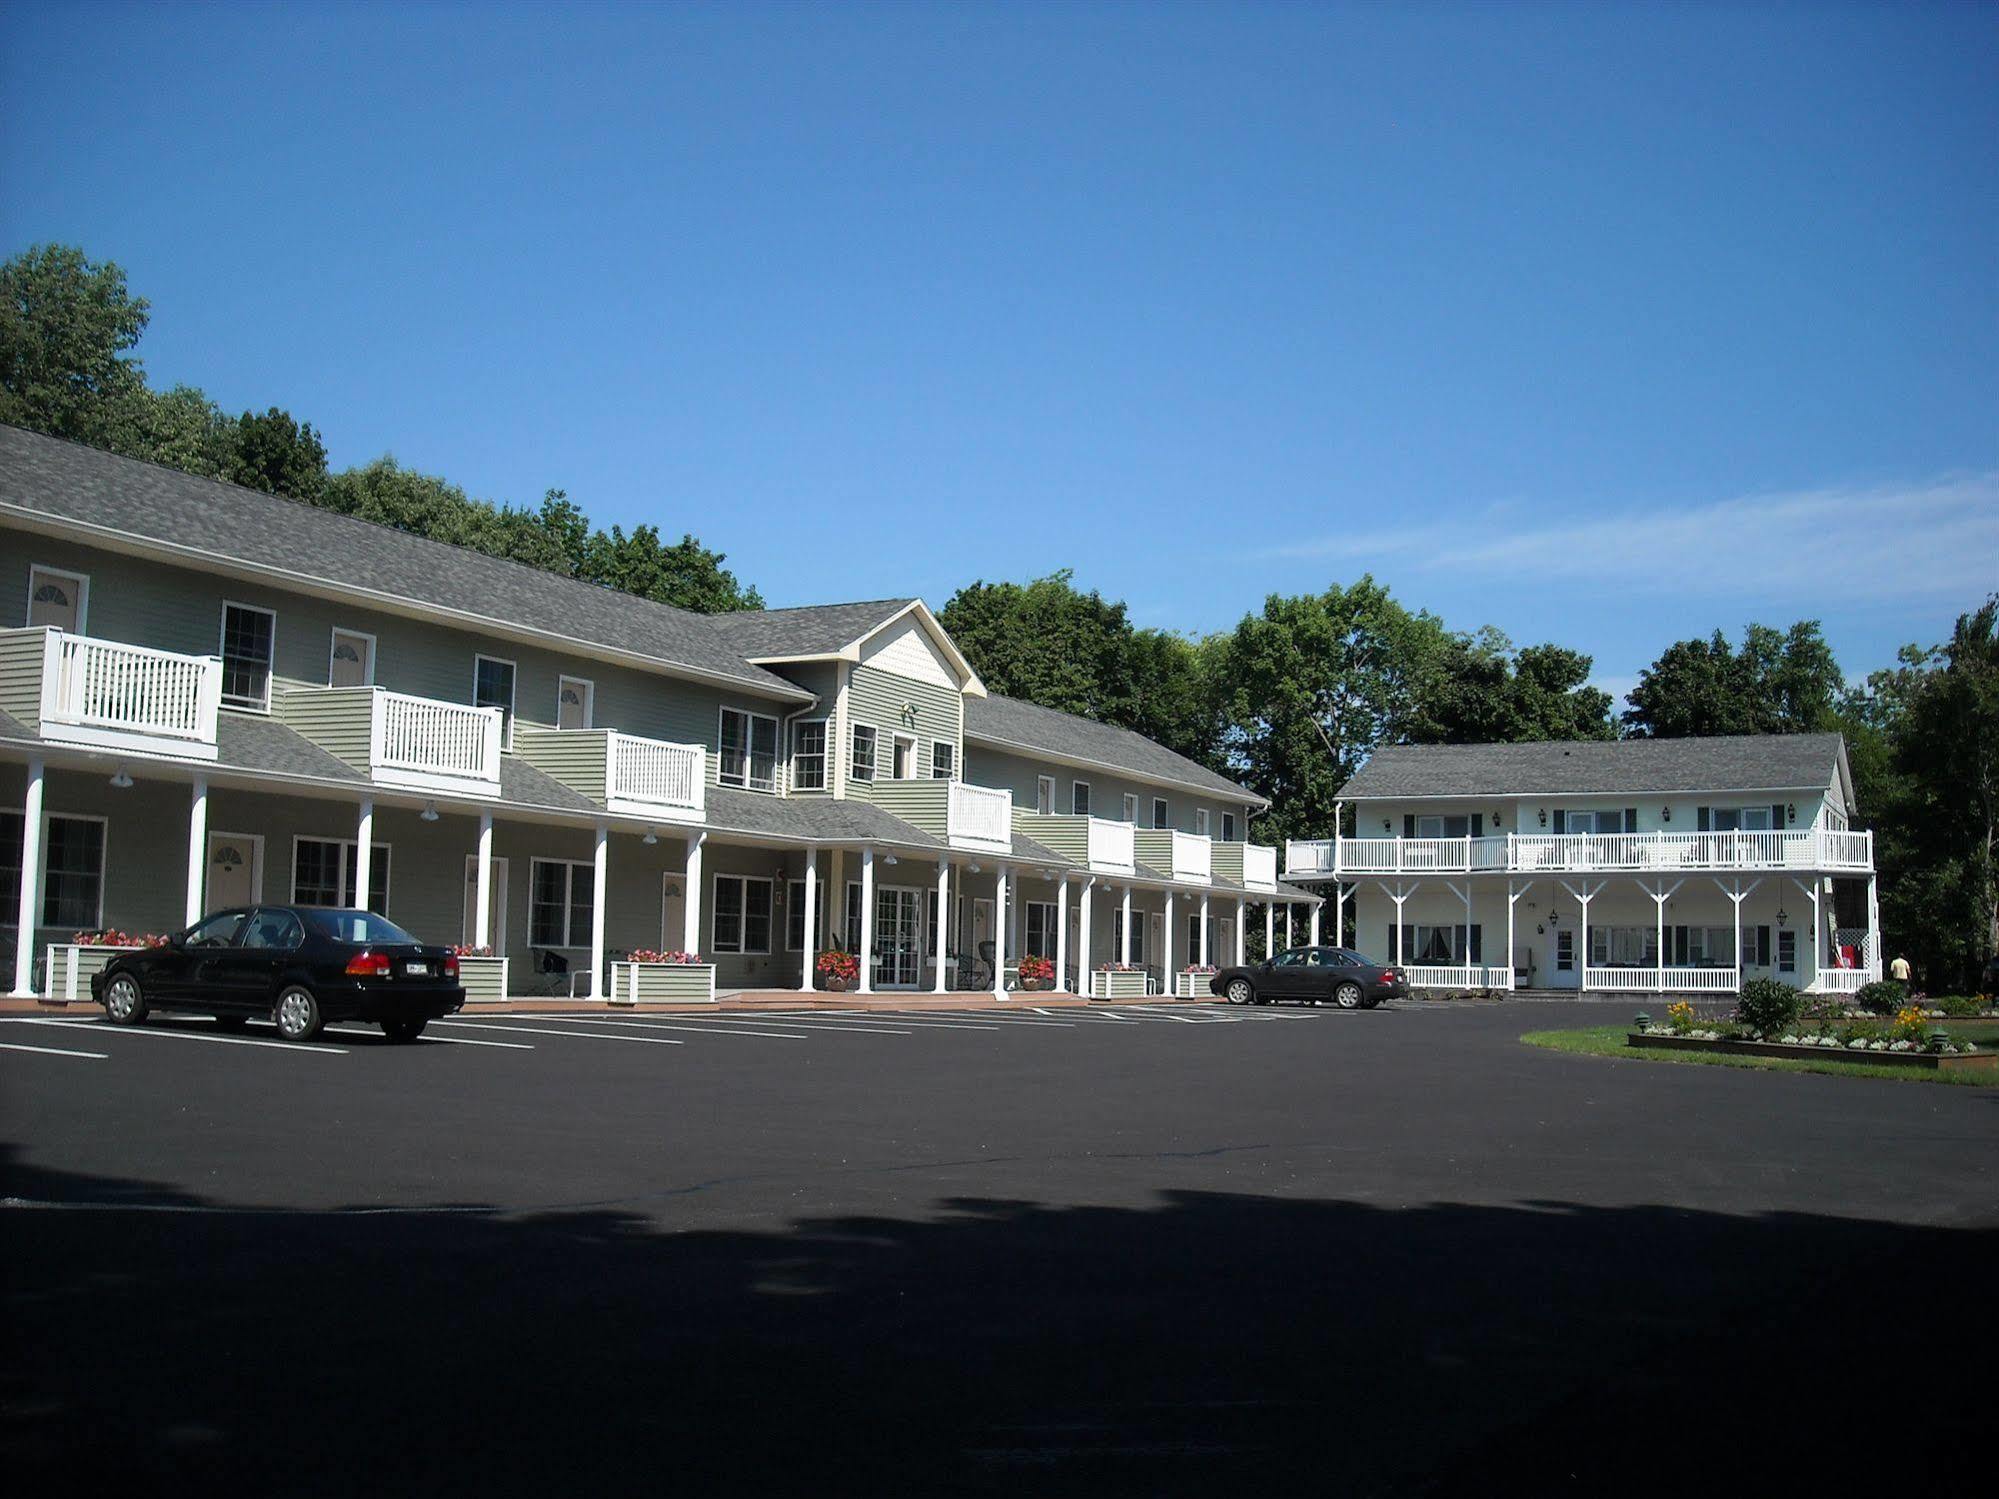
(685, 574)
(67, 325)
(182, 429)
(1780, 682)
(277, 454)
(1479, 690)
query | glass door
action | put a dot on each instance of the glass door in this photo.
(898, 937)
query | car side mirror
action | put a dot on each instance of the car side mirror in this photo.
(179, 938)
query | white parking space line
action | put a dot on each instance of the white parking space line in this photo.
(704, 1029)
(453, 1040)
(837, 1022)
(487, 1025)
(157, 1032)
(56, 1051)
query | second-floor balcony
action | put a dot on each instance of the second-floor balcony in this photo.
(1251, 865)
(976, 818)
(416, 743)
(1581, 853)
(624, 773)
(1183, 856)
(1097, 843)
(104, 694)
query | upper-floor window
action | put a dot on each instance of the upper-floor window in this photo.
(943, 759)
(1160, 817)
(862, 764)
(1201, 821)
(1740, 819)
(808, 755)
(1228, 827)
(350, 659)
(1044, 794)
(1131, 808)
(247, 637)
(493, 687)
(1599, 820)
(57, 598)
(749, 750)
(1430, 826)
(1079, 798)
(575, 702)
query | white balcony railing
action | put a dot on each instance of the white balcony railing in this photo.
(1113, 846)
(979, 814)
(105, 692)
(1552, 853)
(433, 741)
(655, 774)
(1259, 866)
(1183, 856)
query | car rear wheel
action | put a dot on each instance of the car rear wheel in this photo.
(1240, 993)
(297, 1014)
(124, 1001)
(1347, 996)
(403, 1030)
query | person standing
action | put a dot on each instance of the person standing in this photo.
(1899, 969)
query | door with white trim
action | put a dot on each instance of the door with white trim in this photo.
(898, 947)
(496, 914)
(235, 871)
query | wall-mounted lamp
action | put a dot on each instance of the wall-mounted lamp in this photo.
(1791, 812)
(1783, 916)
(1665, 814)
(1387, 826)
(121, 778)
(429, 812)
(1495, 818)
(1544, 817)
(1540, 931)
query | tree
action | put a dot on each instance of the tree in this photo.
(66, 324)
(685, 574)
(1479, 690)
(182, 429)
(1778, 683)
(276, 454)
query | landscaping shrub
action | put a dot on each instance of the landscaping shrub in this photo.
(1959, 1005)
(1824, 1011)
(1767, 1007)
(1863, 1030)
(1882, 997)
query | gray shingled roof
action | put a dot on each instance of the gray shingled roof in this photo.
(815, 630)
(67, 480)
(249, 741)
(1007, 721)
(1767, 762)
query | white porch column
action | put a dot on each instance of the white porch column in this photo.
(690, 908)
(1735, 901)
(197, 847)
(1062, 933)
(1270, 929)
(1511, 897)
(482, 902)
(867, 952)
(1871, 958)
(1317, 907)
(1241, 941)
(1083, 935)
(943, 921)
(809, 948)
(1818, 935)
(28, 908)
(1166, 948)
(364, 853)
(1000, 883)
(600, 884)
(1124, 930)
(1204, 929)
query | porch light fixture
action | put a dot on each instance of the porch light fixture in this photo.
(888, 859)
(971, 869)
(1783, 917)
(1544, 817)
(1665, 814)
(429, 812)
(1791, 812)
(121, 778)
(650, 838)
(1387, 826)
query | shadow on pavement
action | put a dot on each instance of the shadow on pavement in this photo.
(1210, 1343)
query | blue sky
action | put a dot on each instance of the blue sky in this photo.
(1602, 324)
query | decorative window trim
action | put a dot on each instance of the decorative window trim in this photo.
(562, 683)
(825, 727)
(82, 581)
(513, 694)
(270, 664)
(857, 768)
(333, 644)
(948, 752)
(748, 780)
(742, 948)
(588, 869)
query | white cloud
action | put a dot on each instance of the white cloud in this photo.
(1887, 542)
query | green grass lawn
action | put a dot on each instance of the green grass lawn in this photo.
(1608, 1041)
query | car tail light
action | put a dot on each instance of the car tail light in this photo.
(368, 965)
(1388, 975)
(451, 966)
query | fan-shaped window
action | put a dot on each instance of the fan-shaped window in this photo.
(51, 593)
(56, 599)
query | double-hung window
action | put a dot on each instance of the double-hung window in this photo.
(1228, 827)
(808, 755)
(862, 767)
(73, 872)
(561, 904)
(742, 913)
(1201, 821)
(247, 636)
(493, 687)
(1160, 815)
(1044, 794)
(323, 871)
(1041, 929)
(794, 915)
(1079, 798)
(943, 759)
(1131, 808)
(749, 751)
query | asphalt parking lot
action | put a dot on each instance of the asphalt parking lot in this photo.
(1108, 1250)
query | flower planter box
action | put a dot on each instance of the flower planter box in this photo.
(71, 965)
(1191, 985)
(662, 983)
(1117, 986)
(1914, 1061)
(485, 979)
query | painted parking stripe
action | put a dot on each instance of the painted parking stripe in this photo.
(453, 1040)
(487, 1025)
(105, 1028)
(56, 1051)
(630, 1023)
(839, 1022)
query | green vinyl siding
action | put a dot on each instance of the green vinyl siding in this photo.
(578, 758)
(884, 701)
(1067, 836)
(337, 719)
(21, 675)
(921, 804)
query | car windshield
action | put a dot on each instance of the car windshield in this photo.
(357, 926)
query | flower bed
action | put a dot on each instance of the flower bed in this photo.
(1116, 981)
(70, 966)
(1910, 1056)
(662, 978)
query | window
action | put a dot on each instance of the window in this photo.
(749, 751)
(1079, 798)
(73, 878)
(11, 824)
(1137, 936)
(575, 702)
(220, 930)
(1228, 827)
(1160, 816)
(1040, 929)
(1741, 819)
(493, 687)
(247, 633)
(1623, 947)
(943, 760)
(1459, 827)
(1565, 952)
(853, 923)
(1756, 947)
(351, 660)
(279, 930)
(323, 873)
(1131, 808)
(1588, 822)
(560, 908)
(1044, 794)
(742, 914)
(1701, 946)
(57, 598)
(1443, 944)
(808, 755)
(794, 916)
(863, 761)
(1201, 821)
(902, 758)
(1787, 950)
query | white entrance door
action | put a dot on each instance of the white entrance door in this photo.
(898, 937)
(235, 871)
(353, 660)
(1566, 972)
(496, 914)
(672, 911)
(55, 598)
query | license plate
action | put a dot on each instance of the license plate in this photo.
(416, 970)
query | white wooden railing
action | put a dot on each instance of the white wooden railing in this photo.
(1259, 866)
(133, 689)
(1659, 981)
(1458, 976)
(656, 772)
(1526, 853)
(1113, 846)
(979, 814)
(1841, 981)
(430, 737)
(1189, 856)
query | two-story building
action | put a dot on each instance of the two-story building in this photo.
(212, 697)
(1640, 865)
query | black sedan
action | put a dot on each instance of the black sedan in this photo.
(299, 965)
(1311, 975)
